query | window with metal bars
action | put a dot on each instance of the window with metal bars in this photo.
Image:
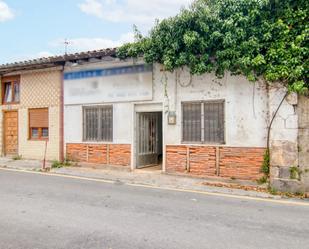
(98, 124)
(203, 122)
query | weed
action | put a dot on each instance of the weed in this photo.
(266, 163)
(262, 180)
(300, 194)
(67, 162)
(272, 190)
(17, 157)
(56, 165)
(295, 173)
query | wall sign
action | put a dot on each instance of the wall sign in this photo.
(129, 83)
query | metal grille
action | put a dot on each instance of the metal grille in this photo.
(203, 122)
(148, 133)
(98, 123)
(191, 122)
(214, 122)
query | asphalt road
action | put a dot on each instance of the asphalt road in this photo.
(38, 212)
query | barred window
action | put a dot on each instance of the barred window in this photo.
(203, 122)
(98, 123)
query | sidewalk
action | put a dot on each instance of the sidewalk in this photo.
(143, 177)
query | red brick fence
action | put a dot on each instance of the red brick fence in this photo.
(233, 162)
(108, 154)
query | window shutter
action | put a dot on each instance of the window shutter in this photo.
(38, 118)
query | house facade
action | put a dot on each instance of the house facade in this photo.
(131, 114)
(105, 111)
(30, 113)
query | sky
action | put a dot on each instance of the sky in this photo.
(38, 28)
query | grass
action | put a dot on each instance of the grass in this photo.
(262, 180)
(57, 164)
(17, 157)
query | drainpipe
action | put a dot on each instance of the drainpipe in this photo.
(61, 128)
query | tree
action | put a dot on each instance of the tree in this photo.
(267, 38)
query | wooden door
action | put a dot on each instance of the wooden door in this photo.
(11, 133)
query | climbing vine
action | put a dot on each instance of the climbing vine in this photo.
(255, 38)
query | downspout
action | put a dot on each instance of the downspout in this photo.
(61, 128)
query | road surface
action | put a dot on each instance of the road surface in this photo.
(40, 212)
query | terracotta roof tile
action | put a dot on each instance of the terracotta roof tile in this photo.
(57, 60)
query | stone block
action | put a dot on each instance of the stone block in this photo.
(292, 99)
(291, 122)
(303, 147)
(284, 185)
(284, 173)
(303, 112)
(274, 172)
(284, 134)
(284, 153)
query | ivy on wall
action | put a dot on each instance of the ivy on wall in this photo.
(255, 38)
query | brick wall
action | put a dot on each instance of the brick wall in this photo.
(107, 154)
(120, 154)
(231, 162)
(202, 160)
(241, 163)
(176, 159)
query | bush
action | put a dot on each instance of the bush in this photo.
(267, 38)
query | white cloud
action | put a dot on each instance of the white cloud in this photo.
(92, 7)
(86, 44)
(140, 12)
(5, 12)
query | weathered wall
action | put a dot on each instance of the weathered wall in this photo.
(283, 138)
(246, 121)
(246, 118)
(123, 116)
(303, 140)
(38, 89)
(246, 108)
(289, 138)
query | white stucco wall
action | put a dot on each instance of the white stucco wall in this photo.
(123, 110)
(246, 106)
(122, 119)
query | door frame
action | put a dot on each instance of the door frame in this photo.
(144, 108)
(158, 138)
(4, 129)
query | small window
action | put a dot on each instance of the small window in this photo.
(98, 123)
(203, 122)
(45, 132)
(38, 124)
(10, 90)
(35, 133)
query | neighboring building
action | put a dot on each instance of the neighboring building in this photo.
(134, 115)
(30, 113)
